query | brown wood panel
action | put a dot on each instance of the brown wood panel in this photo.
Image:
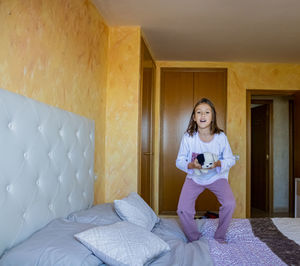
(176, 106)
(212, 85)
(181, 89)
(146, 135)
(147, 87)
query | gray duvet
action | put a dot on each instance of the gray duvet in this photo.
(251, 242)
(55, 243)
(182, 253)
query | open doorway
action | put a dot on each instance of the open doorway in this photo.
(261, 158)
(270, 153)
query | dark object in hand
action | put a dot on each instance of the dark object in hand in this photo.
(211, 215)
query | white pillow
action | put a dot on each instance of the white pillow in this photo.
(135, 210)
(122, 243)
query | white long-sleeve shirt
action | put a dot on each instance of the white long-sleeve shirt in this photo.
(191, 146)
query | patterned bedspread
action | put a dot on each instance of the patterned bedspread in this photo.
(250, 242)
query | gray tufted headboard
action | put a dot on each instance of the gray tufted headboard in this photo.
(46, 165)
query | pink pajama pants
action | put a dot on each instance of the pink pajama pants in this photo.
(186, 207)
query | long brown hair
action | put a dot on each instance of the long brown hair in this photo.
(193, 127)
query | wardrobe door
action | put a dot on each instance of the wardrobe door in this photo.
(180, 90)
(211, 84)
(176, 107)
(147, 87)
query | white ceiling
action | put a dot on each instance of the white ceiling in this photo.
(212, 30)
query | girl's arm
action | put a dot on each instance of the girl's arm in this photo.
(227, 160)
(182, 161)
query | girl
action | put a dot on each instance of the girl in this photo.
(203, 135)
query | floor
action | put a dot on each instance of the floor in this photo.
(256, 213)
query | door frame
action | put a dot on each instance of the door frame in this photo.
(144, 49)
(249, 94)
(270, 151)
(291, 155)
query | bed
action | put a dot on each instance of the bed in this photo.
(47, 216)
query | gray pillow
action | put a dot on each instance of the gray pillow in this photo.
(123, 243)
(135, 210)
(52, 245)
(100, 214)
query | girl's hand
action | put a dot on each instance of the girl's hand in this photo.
(194, 164)
(216, 164)
(197, 164)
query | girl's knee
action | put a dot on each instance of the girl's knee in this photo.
(182, 207)
(182, 213)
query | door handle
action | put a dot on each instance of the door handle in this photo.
(148, 153)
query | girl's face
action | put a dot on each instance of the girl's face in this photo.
(203, 116)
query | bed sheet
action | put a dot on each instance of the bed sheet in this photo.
(290, 227)
(250, 242)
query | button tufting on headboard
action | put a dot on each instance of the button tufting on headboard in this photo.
(46, 165)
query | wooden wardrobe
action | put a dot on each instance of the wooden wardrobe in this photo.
(147, 88)
(180, 90)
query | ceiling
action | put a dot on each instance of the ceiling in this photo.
(212, 30)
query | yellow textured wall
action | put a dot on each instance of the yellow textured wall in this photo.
(62, 53)
(122, 112)
(55, 51)
(241, 76)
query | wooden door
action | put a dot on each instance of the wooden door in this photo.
(211, 85)
(295, 151)
(146, 136)
(176, 105)
(260, 157)
(147, 84)
(296, 138)
(181, 89)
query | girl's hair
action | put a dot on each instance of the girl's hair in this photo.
(193, 127)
